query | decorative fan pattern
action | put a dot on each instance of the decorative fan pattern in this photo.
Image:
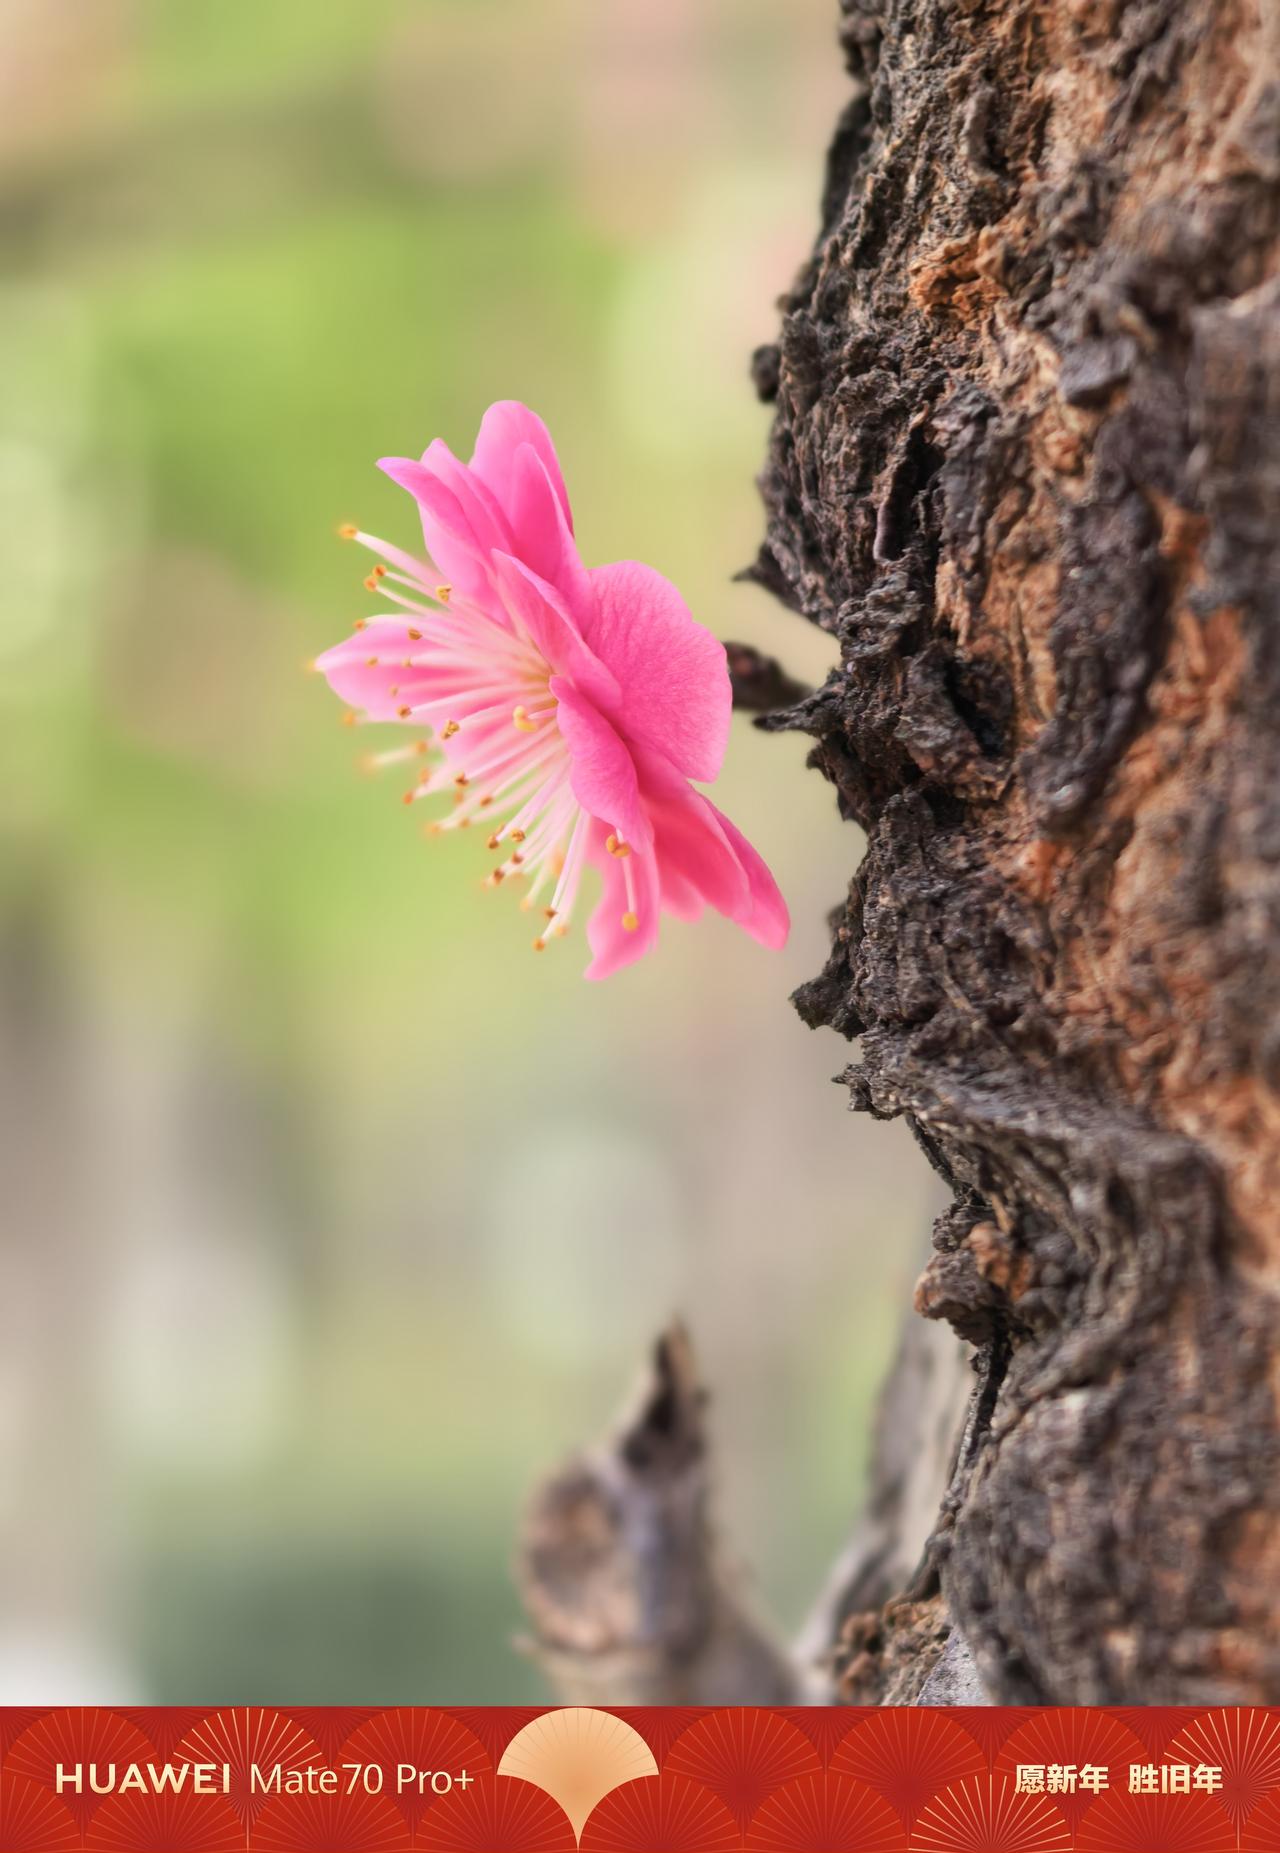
(146, 1823)
(985, 1814)
(742, 1755)
(245, 1737)
(421, 1740)
(666, 1814)
(1261, 1832)
(34, 1821)
(908, 1756)
(500, 1814)
(638, 1780)
(1078, 1738)
(989, 1725)
(355, 1823)
(1244, 1745)
(826, 1726)
(1156, 1725)
(1124, 1823)
(826, 1814)
(660, 1725)
(578, 1756)
(76, 1735)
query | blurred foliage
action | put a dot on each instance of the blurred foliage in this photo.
(335, 1217)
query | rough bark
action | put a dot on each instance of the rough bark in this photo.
(1025, 468)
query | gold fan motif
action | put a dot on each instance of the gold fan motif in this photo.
(577, 1756)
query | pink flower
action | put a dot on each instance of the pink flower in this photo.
(571, 706)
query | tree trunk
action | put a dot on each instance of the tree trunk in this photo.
(1026, 469)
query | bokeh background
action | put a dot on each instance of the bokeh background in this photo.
(331, 1215)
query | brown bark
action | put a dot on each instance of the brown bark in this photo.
(627, 1589)
(1025, 468)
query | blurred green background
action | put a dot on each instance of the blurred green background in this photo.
(333, 1216)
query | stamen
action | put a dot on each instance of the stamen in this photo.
(444, 593)
(450, 728)
(539, 944)
(520, 720)
(616, 847)
(629, 923)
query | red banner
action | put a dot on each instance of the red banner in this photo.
(672, 1780)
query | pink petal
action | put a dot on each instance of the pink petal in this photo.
(505, 429)
(703, 857)
(538, 606)
(767, 918)
(364, 684)
(612, 945)
(461, 520)
(602, 772)
(673, 673)
(543, 538)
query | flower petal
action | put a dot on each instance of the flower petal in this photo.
(673, 673)
(602, 772)
(462, 521)
(530, 601)
(611, 943)
(505, 430)
(767, 917)
(368, 670)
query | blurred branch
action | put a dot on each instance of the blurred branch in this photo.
(760, 683)
(619, 1571)
(630, 1604)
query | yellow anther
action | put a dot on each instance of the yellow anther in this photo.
(629, 923)
(517, 836)
(361, 624)
(561, 929)
(348, 719)
(408, 798)
(516, 857)
(347, 530)
(414, 636)
(371, 583)
(495, 878)
(549, 913)
(371, 662)
(444, 593)
(616, 846)
(540, 944)
(404, 713)
(462, 781)
(493, 841)
(486, 801)
(521, 722)
(379, 572)
(449, 729)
